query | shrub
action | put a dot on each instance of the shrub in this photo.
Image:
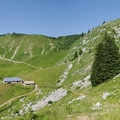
(80, 52)
(76, 55)
(50, 102)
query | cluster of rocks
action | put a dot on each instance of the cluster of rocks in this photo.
(105, 95)
(64, 75)
(54, 96)
(39, 92)
(81, 83)
(117, 30)
(82, 97)
(98, 105)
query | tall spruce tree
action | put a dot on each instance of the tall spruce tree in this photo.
(107, 61)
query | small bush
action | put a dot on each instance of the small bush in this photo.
(50, 102)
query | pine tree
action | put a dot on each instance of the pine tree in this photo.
(107, 61)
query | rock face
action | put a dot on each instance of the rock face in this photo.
(54, 96)
(82, 97)
(64, 75)
(105, 95)
(82, 83)
(97, 106)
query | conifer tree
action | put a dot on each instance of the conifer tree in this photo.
(107, 61)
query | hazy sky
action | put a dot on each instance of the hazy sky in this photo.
(55, 17)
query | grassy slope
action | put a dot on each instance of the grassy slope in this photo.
(50, 75)
(8, 46)
(9, 69)
(84, 107)
(7, 91)
(35, 49)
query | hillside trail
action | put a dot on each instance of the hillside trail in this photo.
(9, 101)
(10, 60)
(84, 117)
(15, 52)
(43, 49)
(74, 92)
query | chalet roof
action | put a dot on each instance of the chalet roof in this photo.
(12, 79)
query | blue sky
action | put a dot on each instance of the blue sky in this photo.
(55, 17)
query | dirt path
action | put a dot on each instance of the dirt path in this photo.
(73, 91)
(43, 49)
(70, 117)
(82, 118)
(15, 52)
(2, 58)
(36, 87)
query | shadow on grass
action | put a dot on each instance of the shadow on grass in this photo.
(8, 106)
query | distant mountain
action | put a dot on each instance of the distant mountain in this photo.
(35, 49)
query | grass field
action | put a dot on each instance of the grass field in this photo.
(9, 91)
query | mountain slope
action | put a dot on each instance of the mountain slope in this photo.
(64, 87)
(35, 49)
